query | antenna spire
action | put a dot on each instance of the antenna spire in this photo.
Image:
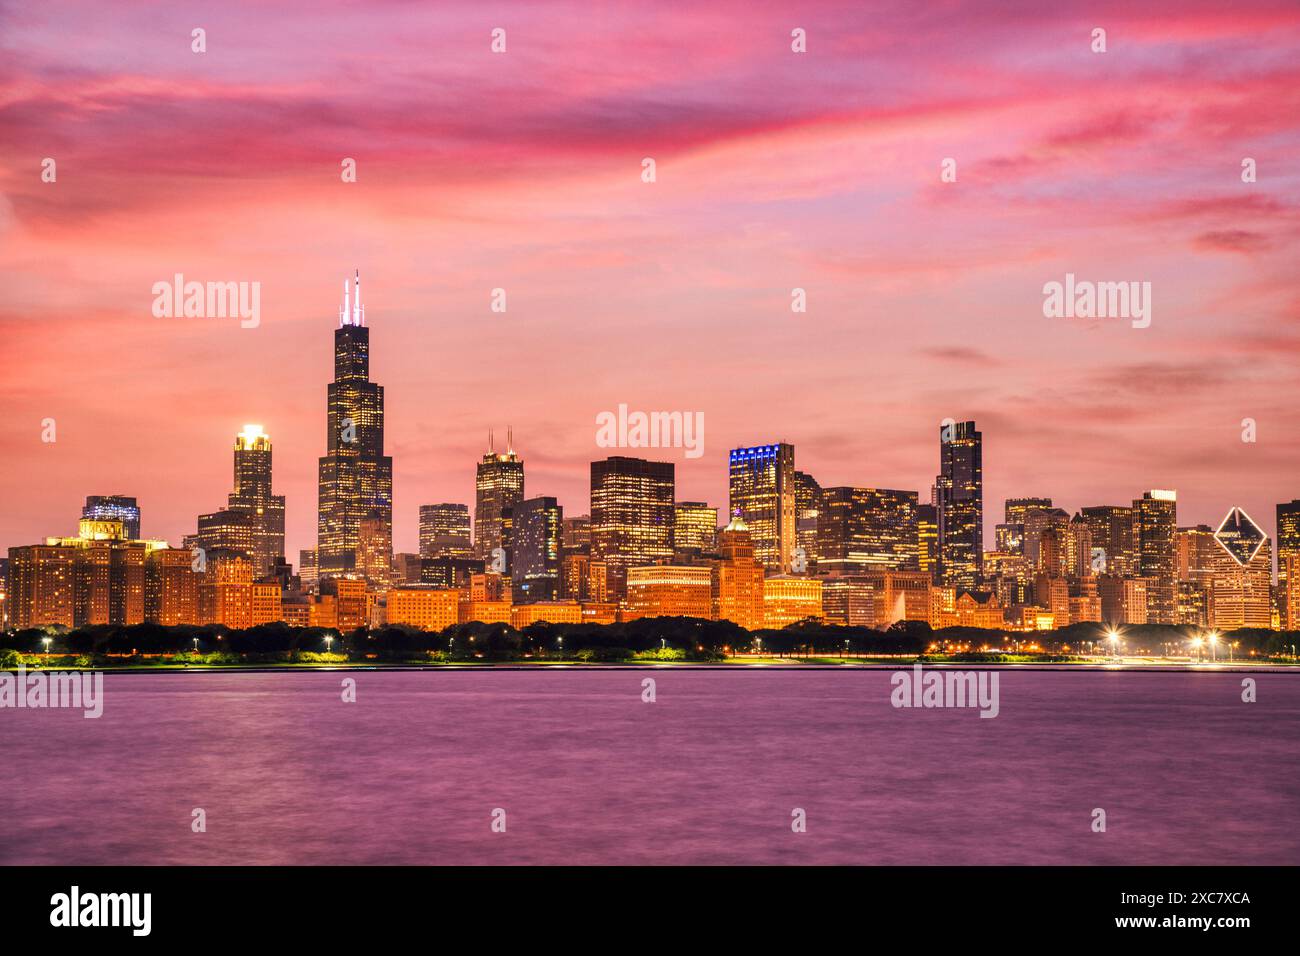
(510, 439)
(358, 312)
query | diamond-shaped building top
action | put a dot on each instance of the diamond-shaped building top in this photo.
(1240, 536)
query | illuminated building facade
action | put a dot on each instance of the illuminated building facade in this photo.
(252, 522)
(550, 612)
(307, 569)
(498, 487)
(789, 599)
(959, 490)
(1123, 600)
(695, 527)
(96, 577)
(535, 545)
(352, 601)
(1288, 544)
(762, 494)
(1242, 574)
(1114, 531)
(863, 528)
(1194, 553)
(927, 539)
(355, 476)
(449, 572)
(171, 588)
(849, 599)
(1155, 525)
(226, 591)
(374, 553)
(583, 579)
(737, 578)
(430, 609)
(576, 533)
(445, 531)
(1291, 594)
(807, 506)
(669, 590)
(42, 585)
(115, 508)
(632, 515)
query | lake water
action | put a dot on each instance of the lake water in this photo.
(286, 772)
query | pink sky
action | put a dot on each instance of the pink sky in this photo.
(775, 170)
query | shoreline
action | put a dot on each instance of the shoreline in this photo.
(1124, 666)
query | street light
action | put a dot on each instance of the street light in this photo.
(1112, 635)
(47, 641)
(1196, 643)
(1214, 645)
(329, 641)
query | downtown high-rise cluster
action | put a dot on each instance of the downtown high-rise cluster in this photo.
(786, 549)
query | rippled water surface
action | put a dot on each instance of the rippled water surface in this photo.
(587, 773)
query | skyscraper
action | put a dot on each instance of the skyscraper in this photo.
(252, 523)
(737, 581)
(807, 504)
(762, 487)
(960, 502)
(1011, 533)
(535, 545)
(927, 539)
(1242, 574)
(1155, 525)
(862, 529)
(695, 527)
(445, 531)
(122, 508)
(498, 486)
(1288, 545)
(1114, 532)
(632, 515)
(356, 477)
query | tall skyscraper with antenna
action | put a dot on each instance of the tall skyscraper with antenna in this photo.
(356, 477)
(498, 486)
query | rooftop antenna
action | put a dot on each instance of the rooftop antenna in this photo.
(491, 446)
(510, 439)
(343, 312)
(358, 312)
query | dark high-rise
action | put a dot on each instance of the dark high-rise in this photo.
(632, 515)
(536, 534)
(960, 504)
(356, 477)
(123, 509)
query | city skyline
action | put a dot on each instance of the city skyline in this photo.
(775, 172)
(404, 531)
